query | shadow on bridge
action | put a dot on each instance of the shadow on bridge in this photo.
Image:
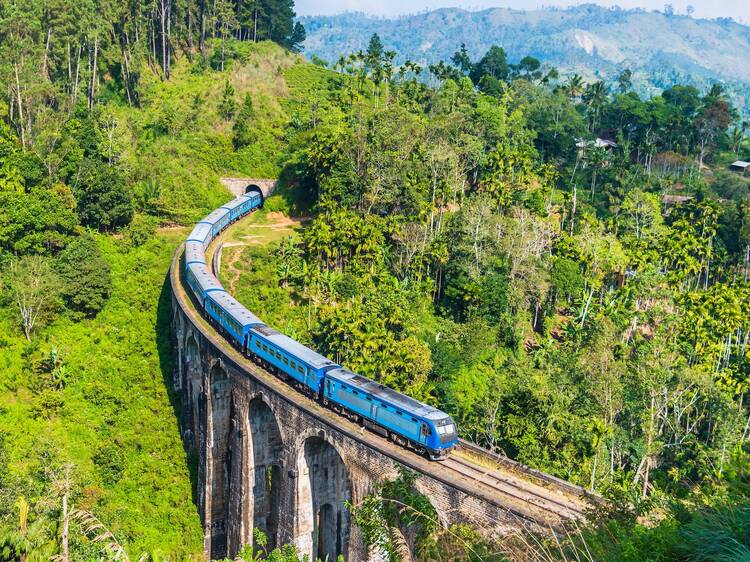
(164, 340)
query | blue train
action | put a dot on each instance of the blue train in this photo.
(402, 419)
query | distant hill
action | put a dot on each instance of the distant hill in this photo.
(594, 41)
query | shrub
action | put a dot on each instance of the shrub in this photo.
(85, 274)
(141, 230)
(104, 202)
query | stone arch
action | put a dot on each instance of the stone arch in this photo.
(321, 526)
(267, 449)
(193, 385)
(255, 188)
(218, 457)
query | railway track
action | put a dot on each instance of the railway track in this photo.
(556, 507)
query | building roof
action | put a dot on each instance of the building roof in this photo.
(673, 199)
(599, 143)
(740, 164)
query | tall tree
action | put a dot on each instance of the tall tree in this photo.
(34, 288)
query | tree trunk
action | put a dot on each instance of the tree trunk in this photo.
(573, 210)
(92, 89)
(20, 107)
(65, 526)
(649, 443)
(46, 53)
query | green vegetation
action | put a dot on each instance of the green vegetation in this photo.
(581, 305)
(105, 138)
(86, 412)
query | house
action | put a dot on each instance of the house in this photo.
(740, 166)
(598, 143)
(670, 200)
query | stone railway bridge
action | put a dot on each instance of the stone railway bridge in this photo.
(272, 459)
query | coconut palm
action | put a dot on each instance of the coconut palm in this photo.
(575, 86)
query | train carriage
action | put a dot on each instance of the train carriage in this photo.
(232, 317)
(201, 233)
(194, 253)
(290, 357)
(392, 413)
(202, 281)
(241, 206)
(218, 219)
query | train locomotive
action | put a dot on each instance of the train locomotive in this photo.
(400, 418)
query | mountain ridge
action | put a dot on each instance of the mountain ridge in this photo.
(591, 40)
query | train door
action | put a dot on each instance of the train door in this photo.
(424, 432)
(373, 408)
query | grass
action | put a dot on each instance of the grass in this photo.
(116, 419)
(249, 271)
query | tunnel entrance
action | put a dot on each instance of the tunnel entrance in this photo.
(265, 472)
(322, 488)
(253, 188)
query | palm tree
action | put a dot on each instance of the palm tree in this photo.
(595, 97)
(737, 139)
(29, 542)
(574, 86)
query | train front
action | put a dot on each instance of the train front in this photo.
(444, 437)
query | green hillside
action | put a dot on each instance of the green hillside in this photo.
(591, 40)
(85, 405)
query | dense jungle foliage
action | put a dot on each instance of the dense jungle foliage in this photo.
(580, 305)
(562, 266)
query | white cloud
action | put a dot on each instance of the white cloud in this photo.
(738, 9)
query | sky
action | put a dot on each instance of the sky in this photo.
(737, 9)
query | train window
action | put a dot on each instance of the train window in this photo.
(265, 348)
(399, 413)
(286, 361)
(414, 420)
(369, 398)
(257, 343)
(292, 364)
(355, 392)
(278, 355)
(301, 370)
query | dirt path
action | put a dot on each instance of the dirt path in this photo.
(230, 258)
(241, 235)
